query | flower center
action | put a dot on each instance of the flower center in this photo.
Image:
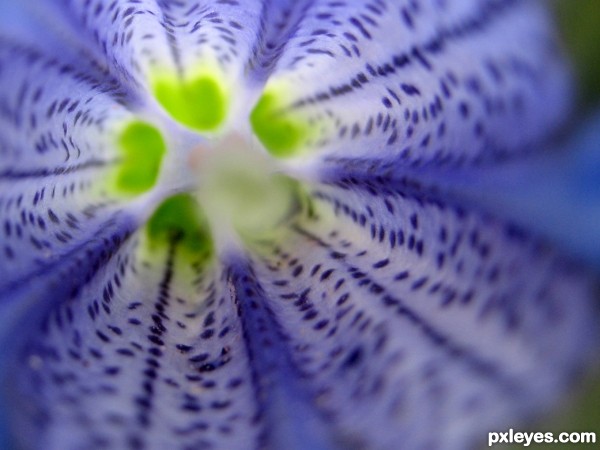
(221, 184)
(241, 187)
(215, 192)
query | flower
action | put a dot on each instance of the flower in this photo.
(228, 225)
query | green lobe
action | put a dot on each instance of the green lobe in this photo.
(180, 219)
(282, 136)
(200, 103)
(143, 148)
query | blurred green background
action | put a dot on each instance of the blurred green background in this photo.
(579, 22)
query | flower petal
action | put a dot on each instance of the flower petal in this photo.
(151, 352)
(64, 149)
(416, 83)
(557, 195)
(403, 315)
(407, 314)
(145, 354)
(191, 57)
(61, 157)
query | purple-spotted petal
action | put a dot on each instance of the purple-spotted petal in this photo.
(59, 148)
(178, 53)
(148, 351)
(386, 315)
(370, 311)
(417, 82)
(423, 316)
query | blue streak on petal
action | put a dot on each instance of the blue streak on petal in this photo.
(27, 298)
(292, 422)
(417, 312)
(25, 301)
(291, 418)
(556, 193)
(429, 83)
(194, 339)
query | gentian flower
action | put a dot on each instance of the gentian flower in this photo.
(227, 224)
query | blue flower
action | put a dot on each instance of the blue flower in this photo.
(257, 224)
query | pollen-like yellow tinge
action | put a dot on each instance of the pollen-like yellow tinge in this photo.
(199, 101)
(283, 133)
(141, 150)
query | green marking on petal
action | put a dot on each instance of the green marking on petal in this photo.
(200, 103)
(179, 218)
(282, 135)
(143, 148)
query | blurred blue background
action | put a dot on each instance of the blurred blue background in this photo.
(566, 204)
